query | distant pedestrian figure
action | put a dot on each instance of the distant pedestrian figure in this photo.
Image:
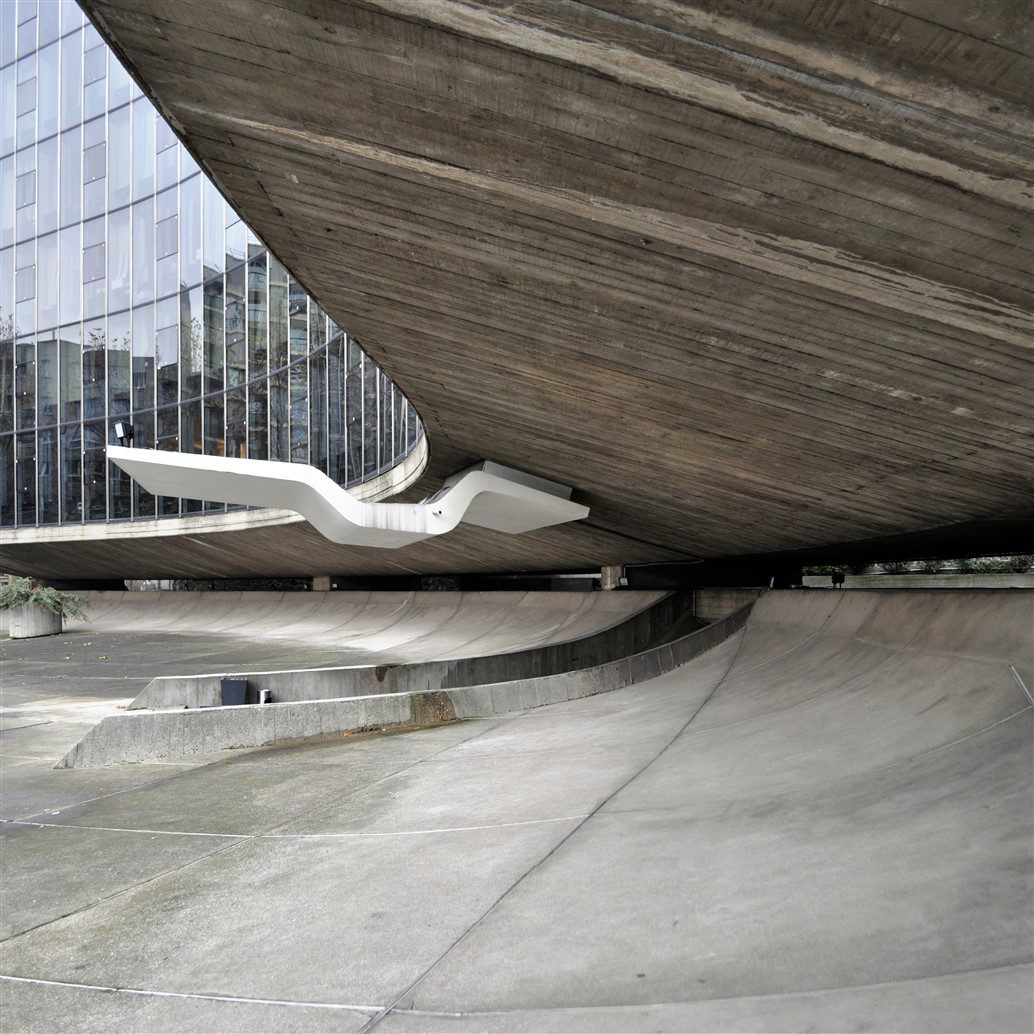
(838, 578)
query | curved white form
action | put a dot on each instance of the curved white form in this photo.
(488, 495)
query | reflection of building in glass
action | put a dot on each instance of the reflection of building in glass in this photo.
(129, 289)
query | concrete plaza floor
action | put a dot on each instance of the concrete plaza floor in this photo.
(822, 824)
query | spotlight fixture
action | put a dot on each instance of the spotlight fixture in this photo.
(124, 432)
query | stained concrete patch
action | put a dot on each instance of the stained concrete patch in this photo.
(54, 871)
(238, 799)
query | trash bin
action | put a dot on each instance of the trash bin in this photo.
(265, 696)
(234, 691)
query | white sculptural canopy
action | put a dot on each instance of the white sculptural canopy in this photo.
(488, 495)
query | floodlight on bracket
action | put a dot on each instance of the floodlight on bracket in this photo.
(488, 495)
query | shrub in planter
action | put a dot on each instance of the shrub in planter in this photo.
(39, 609)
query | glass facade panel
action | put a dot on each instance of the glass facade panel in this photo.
(130, 290)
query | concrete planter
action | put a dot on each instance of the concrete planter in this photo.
(29, 621)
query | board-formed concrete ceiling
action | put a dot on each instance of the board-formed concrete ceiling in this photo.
(751, 275)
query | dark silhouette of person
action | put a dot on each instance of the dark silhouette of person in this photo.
(838, 578)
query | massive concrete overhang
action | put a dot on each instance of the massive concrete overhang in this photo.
(753, 276)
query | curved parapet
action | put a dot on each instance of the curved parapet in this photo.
(487, 495)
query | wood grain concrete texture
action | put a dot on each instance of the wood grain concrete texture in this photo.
(823, 824)
(385, 627)
(750, 276)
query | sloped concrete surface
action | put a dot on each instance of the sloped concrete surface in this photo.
(370, 627)
(824, 823)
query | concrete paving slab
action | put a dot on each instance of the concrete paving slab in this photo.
(450, 791)
(955, 1004)
(53, 871)
(796, 891)
(32, 788)
(238, 799)
(44, 1008)
(316, 919)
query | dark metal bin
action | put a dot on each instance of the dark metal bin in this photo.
(234, 691)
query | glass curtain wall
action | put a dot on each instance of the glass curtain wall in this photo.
(129, 290)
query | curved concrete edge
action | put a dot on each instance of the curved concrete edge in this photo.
(152, 735)
(650, 626)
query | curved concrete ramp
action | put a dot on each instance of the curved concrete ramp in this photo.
(390, 627)
(824, 823)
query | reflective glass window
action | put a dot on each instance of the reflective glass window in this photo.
(93, 263)
(94, 162)
(143, 251)
(213, 333)
(25, 283)
(191, 344)
(8, 106)
(49, 15)
(258, 421)
(26, 97)
(25, 189)
(25, 384)
(47, 498)
(190, 231)
(318, 411)
(7, 178)
(118, 364)
(71, 176)
(278, 315)
(6, 292)
(47, 381)
(235, 327)
(71, 472)
(8, 32)
(214, 426)
(25, 469)
(71, 373)
(299, 375)
(371, 384)
(71, 15)
(214, 220)
(47, 282)
(257, 339)
(167, 351)
(143, 149)
(49, 59)
(279, 418)
(191, 433)
(119, 251)
(94, 376)
(71, 80)
(47, 186)
(338, 388)
(95, 495)
(7, 492)
(143, 358)
(71, 283)
(95, 64)
(119, 157)
(120, 86)
(236, 424)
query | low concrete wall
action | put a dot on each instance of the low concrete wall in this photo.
(648, 628)
(715, 603)
(150, 735)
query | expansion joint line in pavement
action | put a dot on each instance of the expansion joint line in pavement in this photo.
(247, 838)
(373, 1021)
